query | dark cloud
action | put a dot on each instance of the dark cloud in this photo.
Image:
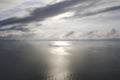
(69, 34)
(113, 8)
(16, 27)
(112, 32)
(40, 14)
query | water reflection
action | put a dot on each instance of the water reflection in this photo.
(59, 51)
(59, 62)
(59, 68)
(61, 43)
(60, 47)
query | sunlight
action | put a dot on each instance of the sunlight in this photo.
(60, 51)
(60, 47)
(63, 15)
(61, 43)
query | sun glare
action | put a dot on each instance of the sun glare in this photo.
(61, 43)
(60, 47)
(60, 51)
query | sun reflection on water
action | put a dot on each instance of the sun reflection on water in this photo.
(59, 62)
(60, 47)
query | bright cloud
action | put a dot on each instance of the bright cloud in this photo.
(64, 15)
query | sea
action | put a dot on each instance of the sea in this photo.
(60, 60)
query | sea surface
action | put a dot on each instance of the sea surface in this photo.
(59, 60)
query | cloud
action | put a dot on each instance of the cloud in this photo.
(40, 14)
(69, 34)
(111, 34)
(8, 4)
(16, 28)
(20, 35)
(113, 8)
(62, 19)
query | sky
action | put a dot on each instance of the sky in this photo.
(59, 19)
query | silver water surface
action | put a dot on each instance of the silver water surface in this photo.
(59, 60)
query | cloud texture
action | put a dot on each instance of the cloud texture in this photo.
(45, 21)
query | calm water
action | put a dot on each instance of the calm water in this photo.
(60, 60)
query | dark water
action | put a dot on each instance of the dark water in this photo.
(39, 60)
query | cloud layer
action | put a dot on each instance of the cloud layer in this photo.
(85, 18)
(40, 14)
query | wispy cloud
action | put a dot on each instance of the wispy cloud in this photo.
(61, 19)
(40, 14)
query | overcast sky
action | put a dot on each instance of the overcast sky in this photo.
(59, 19)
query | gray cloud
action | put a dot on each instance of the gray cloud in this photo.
(113, 8)
(111, 34)
(40, 14)
(69, 34)
(16, 27)
(20, 35)
(27, 27)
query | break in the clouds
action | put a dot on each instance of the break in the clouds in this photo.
(60, 19)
